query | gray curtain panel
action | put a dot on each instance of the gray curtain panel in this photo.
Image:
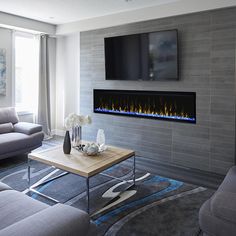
(44, 111)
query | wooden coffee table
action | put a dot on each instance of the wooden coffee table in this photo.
(80, 164)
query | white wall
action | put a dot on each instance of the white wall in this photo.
(67, 78)
(6, 42)
(179, 7)
(22, 23)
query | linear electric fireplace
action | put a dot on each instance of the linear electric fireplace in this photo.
(174, 106)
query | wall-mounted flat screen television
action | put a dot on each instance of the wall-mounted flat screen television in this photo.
(146, 56)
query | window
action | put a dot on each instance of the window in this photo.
(26, 71)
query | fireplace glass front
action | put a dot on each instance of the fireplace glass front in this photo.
(173, 106)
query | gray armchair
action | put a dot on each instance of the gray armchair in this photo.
(217, 216)
(17, 137)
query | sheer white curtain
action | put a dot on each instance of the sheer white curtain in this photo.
(26, 58)
(44, 110)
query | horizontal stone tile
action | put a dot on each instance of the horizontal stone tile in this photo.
(219, 169)
(223, 72)
(223, 15)
(222, 118)
(191, 161)
(223, 91)
(229, 155)
(222, 132)
(220, 166)
(202, 150)
(220, 157)
(223, 34)
(218, 137)
(229, 61)
(222, 52)
(218, 109)
(219, 27)
(191, 140)
(156, 156)
(203, 110)
(196, 134)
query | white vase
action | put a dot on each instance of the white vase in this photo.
(100, 137)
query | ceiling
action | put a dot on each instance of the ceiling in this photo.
(65, 11)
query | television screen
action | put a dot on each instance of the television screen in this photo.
(147, 56)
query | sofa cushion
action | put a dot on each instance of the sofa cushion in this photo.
(12, 142)
(6, 128)
(27, 128)
(15, 206)
(212, 225)
(58, 220)
(4, 187)
(8, 114)
(223, 205)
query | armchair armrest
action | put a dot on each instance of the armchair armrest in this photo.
(58, 220)
(223, 205)
(27, 128)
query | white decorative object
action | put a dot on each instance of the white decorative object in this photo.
(75, 123)
(101, 137)
(102, 147)
(91, 149)
(2, 71)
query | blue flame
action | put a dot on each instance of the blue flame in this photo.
(103, 110)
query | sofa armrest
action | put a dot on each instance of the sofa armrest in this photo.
(4, 187)
(58, 220)
(223, 205)
(27, 128)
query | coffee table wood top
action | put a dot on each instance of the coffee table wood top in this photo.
(80, 164)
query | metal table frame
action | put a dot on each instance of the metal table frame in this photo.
(31, 188)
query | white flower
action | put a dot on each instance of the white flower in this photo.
(88, 119)
(73, 120)
(82, 120)
(67, 123)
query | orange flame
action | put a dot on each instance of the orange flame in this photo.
(150, 108)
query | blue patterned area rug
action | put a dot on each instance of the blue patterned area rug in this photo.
(155, 206)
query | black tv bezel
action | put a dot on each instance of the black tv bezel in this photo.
(146, 91)
(138, 79)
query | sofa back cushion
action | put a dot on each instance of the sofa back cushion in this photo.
(6, 128)
(8, 115)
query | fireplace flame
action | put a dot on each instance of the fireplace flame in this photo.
(167, 110)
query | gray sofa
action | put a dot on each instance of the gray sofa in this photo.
(217, 216)
(17, 137)
(21, 215)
